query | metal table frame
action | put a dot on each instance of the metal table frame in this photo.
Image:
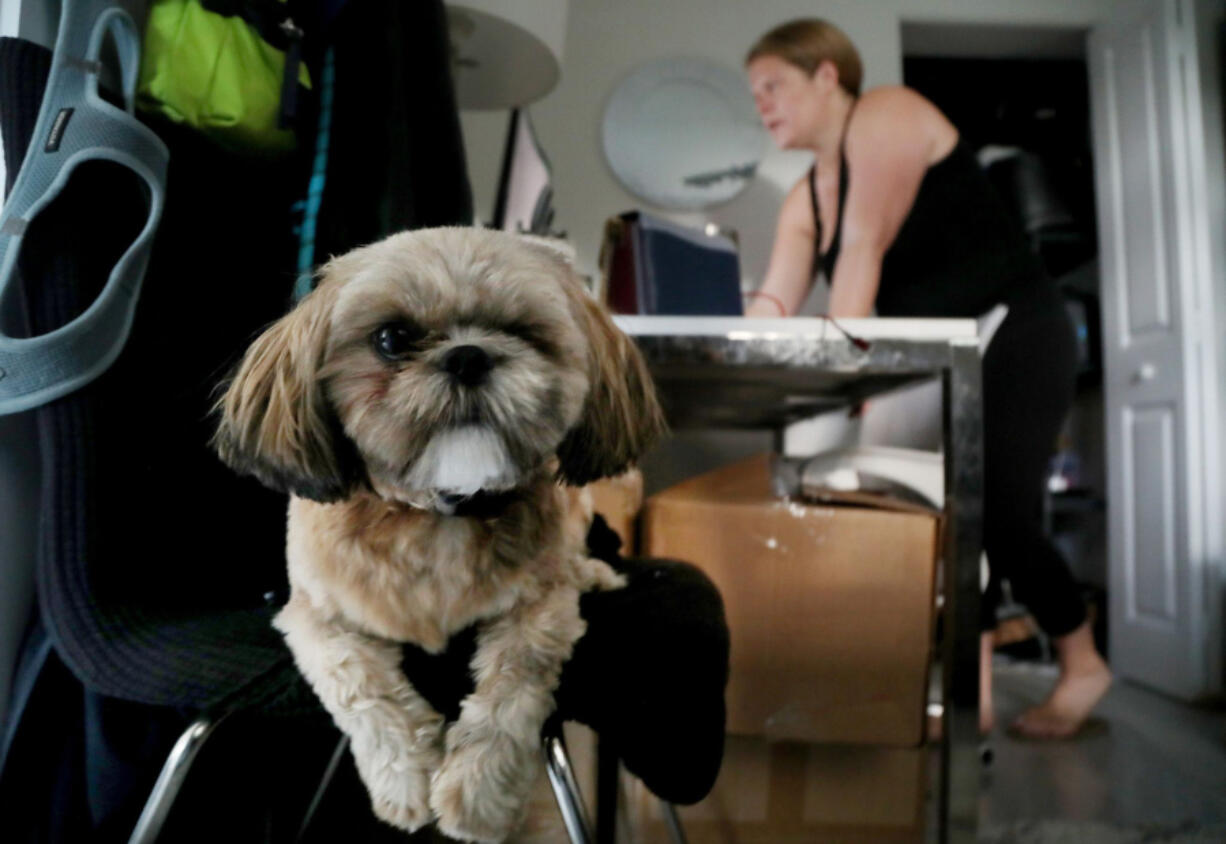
(754, 373)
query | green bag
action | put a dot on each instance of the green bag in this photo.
(217, 73)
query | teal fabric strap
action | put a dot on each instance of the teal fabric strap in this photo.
(76, 125)
(319, 176)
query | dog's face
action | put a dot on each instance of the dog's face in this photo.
(434, 365)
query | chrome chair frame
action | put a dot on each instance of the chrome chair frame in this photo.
(178, 763)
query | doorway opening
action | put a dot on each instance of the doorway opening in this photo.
(1020, 98)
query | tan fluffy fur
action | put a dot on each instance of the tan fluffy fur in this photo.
(375, 561)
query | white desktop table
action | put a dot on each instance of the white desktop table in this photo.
(736, 372)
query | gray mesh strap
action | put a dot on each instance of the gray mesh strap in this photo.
(75, 125)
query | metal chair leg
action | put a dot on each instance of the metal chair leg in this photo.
(566, 789)
(179, 762)
(329, 774)
(608, 773)
(608, 784)
(170, 780)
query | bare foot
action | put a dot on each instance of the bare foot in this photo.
(1064, 712)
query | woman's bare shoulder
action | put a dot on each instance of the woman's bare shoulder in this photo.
(897, 108)
(896, 100)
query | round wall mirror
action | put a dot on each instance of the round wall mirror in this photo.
(683, 133)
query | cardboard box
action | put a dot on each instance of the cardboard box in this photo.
(830, 607)
(792, 793)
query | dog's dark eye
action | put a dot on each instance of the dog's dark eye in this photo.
(534, 335)
(396, 340)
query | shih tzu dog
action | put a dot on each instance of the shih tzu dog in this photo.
(433, 407)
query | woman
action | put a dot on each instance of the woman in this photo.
(900, 217)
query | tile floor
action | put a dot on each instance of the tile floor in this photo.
(1150, 769)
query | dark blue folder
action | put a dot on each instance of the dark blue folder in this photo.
(681, 271)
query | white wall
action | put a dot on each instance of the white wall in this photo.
(34, 20)
(607, 39)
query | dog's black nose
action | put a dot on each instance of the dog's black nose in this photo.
(468, 364)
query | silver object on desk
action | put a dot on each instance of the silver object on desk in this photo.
(836, 484)
(908, 475)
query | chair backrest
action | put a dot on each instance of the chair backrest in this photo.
(19, 493)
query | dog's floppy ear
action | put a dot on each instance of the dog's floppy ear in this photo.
(622, 417)
(275, 422)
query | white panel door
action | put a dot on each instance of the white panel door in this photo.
(1142, 76)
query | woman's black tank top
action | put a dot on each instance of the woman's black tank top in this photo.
(959, 253)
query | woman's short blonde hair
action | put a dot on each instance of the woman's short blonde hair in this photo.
(808, 42)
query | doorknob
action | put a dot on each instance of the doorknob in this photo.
(1145, 372)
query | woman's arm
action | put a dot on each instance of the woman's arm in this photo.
(888, 151)
(789, 273)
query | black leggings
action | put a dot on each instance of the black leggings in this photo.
(1029, 374)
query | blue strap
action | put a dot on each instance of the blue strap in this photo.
(319, 175)
(76, 125)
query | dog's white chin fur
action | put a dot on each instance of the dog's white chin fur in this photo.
(464, 461)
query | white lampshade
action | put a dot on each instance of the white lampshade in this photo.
(505, 53)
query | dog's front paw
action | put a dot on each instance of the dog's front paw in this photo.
(478, 794)
(397, 775)
(409, 812)
(401, 796)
